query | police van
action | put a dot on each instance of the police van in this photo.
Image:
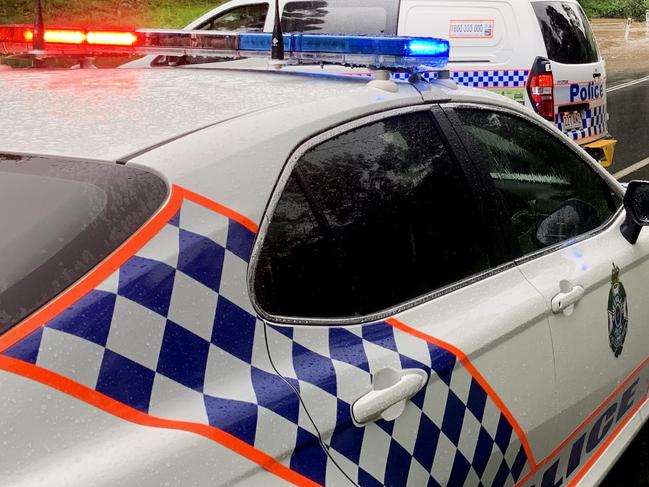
(540, 53)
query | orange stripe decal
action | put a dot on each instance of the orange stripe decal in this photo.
(105, 403)
(134, 244)
(219, 208)
(535, 466)
(586, 422)
(595, 413)
(101, 401)
(115, 260)
(606, 444)
(95, 277)
(477, 376)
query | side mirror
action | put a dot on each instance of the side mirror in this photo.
(636, 204)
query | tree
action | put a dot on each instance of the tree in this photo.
(615, 8)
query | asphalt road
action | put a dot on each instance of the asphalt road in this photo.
(628, 106)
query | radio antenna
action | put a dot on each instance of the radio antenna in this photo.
(277, 51)
(39, 28)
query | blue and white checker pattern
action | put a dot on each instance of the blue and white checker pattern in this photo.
(593, 120)
(427, 75)
(172, 333)
(492, 79)
(478, 79)
(451, 433)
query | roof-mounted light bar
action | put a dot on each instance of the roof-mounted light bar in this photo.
(387, 52)
(383, 52)
(24, 34)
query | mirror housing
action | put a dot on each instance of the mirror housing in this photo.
(636, 204)
(572, 218)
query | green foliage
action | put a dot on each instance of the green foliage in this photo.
(616, 8)
(171, 14)
(108, 13)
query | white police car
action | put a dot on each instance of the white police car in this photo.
(221, 277)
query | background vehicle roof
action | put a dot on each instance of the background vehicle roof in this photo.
(110, 114)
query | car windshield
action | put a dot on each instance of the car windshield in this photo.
(566, 32)
(247, 18)
(59, 220)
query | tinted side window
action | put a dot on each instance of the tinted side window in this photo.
(566, 32)
(59, 220)
(370, 219)
(551, 195)
(249, 18)
(361, 17)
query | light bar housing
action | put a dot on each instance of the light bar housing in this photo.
(374, 52)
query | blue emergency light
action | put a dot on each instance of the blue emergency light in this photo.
(423, 51)
(387, 52)
(429, 47)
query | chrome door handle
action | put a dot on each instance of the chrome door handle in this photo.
(565, 301)
(388, 399)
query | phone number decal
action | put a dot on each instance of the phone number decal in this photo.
(471, 29)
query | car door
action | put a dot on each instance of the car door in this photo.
(566, 217)
(418, 349)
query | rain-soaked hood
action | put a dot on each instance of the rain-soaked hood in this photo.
(109, 114)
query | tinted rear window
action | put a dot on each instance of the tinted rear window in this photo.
(362, 225)
(361, 17)
(59, 220)
(566, 32)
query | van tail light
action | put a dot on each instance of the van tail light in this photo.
(540, 88)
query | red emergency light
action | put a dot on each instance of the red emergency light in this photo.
(16, 34)
(25, 34)
(70, 42)
(106, 38)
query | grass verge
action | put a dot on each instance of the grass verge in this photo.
(108, 13)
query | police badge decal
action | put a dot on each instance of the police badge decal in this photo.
(618, 313)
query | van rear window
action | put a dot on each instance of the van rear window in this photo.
(59, 219)
(361, 17)
(566, 32)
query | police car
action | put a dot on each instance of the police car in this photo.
(540, 53)
(230, 277)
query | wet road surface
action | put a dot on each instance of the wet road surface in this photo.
(628, 108)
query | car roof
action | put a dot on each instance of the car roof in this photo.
(238, 161)
(208, 130)
(109, 114)
(221, 133)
